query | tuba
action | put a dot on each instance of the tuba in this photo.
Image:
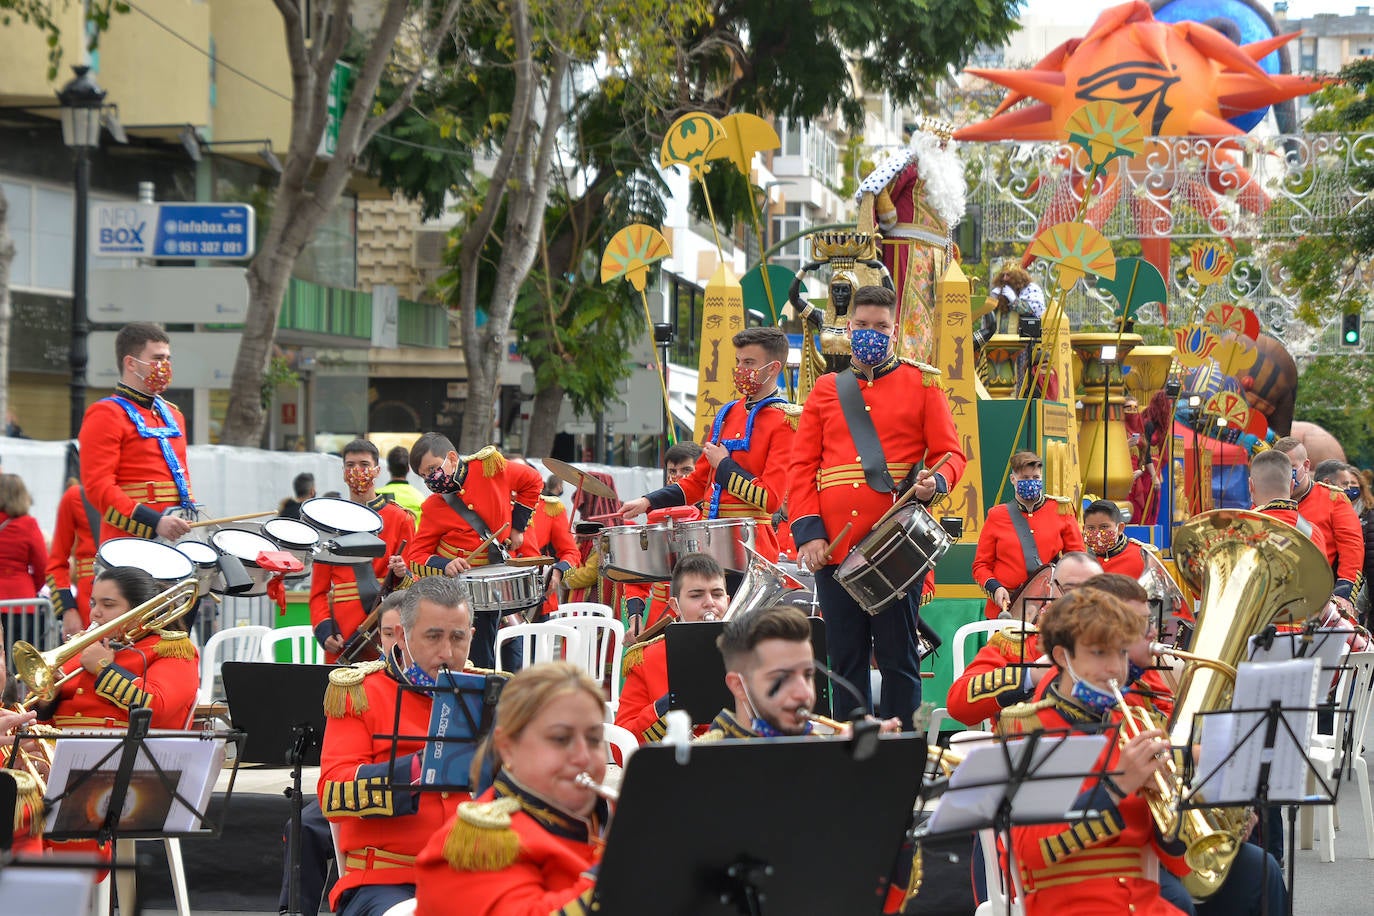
(1249, 571)
(763, 584)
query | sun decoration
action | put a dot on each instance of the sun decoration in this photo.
(630, 253)
(1227, 316)
(693, 141)
(1105, 130)
(1211, 261)
(1229, 406)
(1077, 249)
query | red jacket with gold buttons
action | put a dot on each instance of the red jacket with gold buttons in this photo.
(334, 586)
(71, 539)
(549, 534)
(999, 559)
(160, 672)
(826, 485)
(644, 695)
(126, 477)
(1330, 512)
(381, 830)
(486, 488)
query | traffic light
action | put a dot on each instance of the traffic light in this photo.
(1350, 330)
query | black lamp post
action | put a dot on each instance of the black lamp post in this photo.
(82, 101)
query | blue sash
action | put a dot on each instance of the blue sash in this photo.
(168, 430)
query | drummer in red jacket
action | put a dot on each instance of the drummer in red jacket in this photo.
(1002, 564)
(343, 594)
(698, 593)
(550, 535)
(742, 471)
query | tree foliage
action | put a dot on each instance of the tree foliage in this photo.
(46, 16)
(1333, 393)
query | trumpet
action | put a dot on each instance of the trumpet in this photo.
(585, 781)
(42, 673)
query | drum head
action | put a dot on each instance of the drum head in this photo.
(290, 533)
(242, 544)
(167, 564)
(197, 552)
(339, 516)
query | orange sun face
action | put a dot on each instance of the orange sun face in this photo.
(1177, 78)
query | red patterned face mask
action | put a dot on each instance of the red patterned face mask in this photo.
(1099, 540)
(360, 478)
(159, 375)
(749, 381)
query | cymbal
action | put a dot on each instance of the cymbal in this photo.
(579, 478)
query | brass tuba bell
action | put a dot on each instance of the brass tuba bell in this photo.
(763, 584)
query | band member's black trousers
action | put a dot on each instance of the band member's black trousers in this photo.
(852, 635)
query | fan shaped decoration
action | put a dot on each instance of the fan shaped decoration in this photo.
(1077, 249)
(630, 253)
(1227, 316)
(745, 135)
(1137, 282)
(1105, 130)
(692, 141)
(1229, 406)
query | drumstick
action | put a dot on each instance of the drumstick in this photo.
(910, 492)
(835, 543)
(486, 542)
(232, 518)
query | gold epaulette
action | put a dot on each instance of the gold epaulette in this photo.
(1337, 494)
(635, 654)
(790, 412)
(493, 462)
(482, 838)
(345, 692)
(1022, 718)
(174, 644)
(473, 669)
(1010, 642)
(706, 737)
(1065, 504)
(1150, 547)
(929, 374)
(553, 506)
(28, 802)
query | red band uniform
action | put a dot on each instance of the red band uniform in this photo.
(644, 695)
(337, 607)
(999, 560)
(380, 831)
(1329, 511)
(161, 672)
(550, 535)
(127, 476)
(827, 490)
(522, 857)
(72, 541)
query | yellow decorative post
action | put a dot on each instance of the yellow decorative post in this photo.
(954, 358)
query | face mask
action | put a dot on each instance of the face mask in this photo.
(749, 381)
(1352, 493)
(761, 726)
(159, 375)
(1088, 696)
(440, 481)
(1030, 490)
(359, 479)
(1295, 477)
(1133, 673)
(413, 673)
(1100, 540)
(869, 346)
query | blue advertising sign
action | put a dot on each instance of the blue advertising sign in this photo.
(173, 230)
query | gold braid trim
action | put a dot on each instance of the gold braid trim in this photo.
(1022, 718)
(493, 462)
(345, 694)
(481, 838)
(553, 506)
(27, 803)
(174, 644)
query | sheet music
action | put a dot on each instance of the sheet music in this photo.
(1294, 683)
(979, 784)
(1326, 645)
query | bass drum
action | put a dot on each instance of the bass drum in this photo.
(164, 563)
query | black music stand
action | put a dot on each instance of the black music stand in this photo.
(281, 708)
(738, 833)
(696, 669)
(470, 709)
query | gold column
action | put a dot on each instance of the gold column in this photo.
(722, 316)
(1105, 458)
(954, 358)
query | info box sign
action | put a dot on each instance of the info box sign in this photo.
(172, 230)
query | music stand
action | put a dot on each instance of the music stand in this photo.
(696, 669)
(717, 859)
(281, 708)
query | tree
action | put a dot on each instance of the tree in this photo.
(1330, 271)
(404, 38)
(1333, 393)
(42, 15)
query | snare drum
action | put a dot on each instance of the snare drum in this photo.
(504, 589)
(637, 553)
(164, 563)
(333, 517)
(725, 540)
(296, 538)
(206, 562)
(246, 546)
(893, 558)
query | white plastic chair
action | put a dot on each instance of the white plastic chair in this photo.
(959, 662)
(542, 642)
(305, 648)
(126, 887)
(235, 644)
(581, 609)
(996, 904)
(603, 647)
(622, 739)
(1353, 694)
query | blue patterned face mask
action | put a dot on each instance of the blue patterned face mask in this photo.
(1030, 490)
(1352, 493)
(869, 347)
(1089, 696)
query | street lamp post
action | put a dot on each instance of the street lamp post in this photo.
(82, 101)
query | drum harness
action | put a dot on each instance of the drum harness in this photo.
(735, 445)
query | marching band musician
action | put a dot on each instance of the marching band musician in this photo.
(1002, 673)
(1098, 865)
(888, 415)
(381, 830)
(1104, 533)
(742, 471)
(133, 444)
(1329, 511)
(529, 845)
(160, 671)
(28, 803)
(698, 593)
(472, 496)
(549, 534)
(1271, 493)
(72, 543)
(343, 594)
(1018, 537)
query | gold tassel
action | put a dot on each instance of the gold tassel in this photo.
(553, 506)
(174, 644)
(632, 657)
(493, 462)
(28, 803)
(482, 838)
(345, 692)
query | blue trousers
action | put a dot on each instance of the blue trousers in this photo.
(374, 899)
(853, 635)
(317, 851)
(483, 651)
(1243, 894)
